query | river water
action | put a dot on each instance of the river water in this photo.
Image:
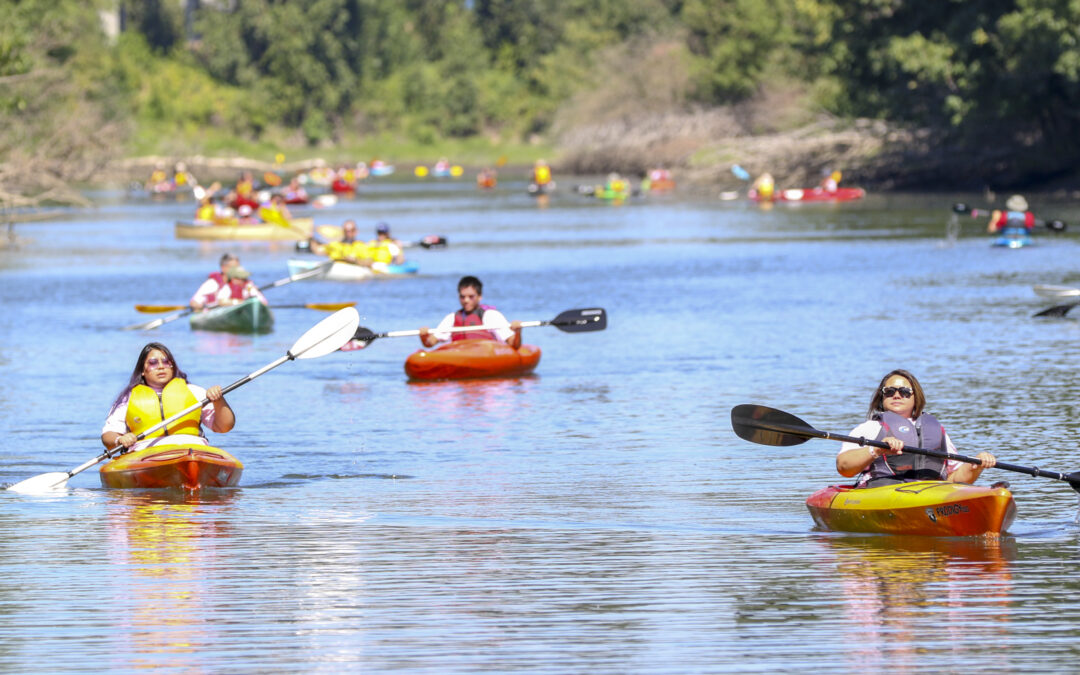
(599, 516)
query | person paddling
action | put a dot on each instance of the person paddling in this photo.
(1015, 216)
(157, 390)
(239, 287)
(384, 248)
(896, 417)
(347, 250)
(490, 323)
(208, 291)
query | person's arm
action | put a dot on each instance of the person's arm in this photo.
(496, 322)
(224, 419)
(430, 338)
(964, 472)
(115, 431)
(854, 458)
(993, 226)
(199, 299)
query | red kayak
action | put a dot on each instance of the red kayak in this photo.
(812, 195)
(462, 359)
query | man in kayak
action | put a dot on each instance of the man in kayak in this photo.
(156, 390)
(1015, 215)
(348, 249)
(490, 323)
(208, 291)
(896, 417)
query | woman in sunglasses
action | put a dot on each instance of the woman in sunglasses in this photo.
(157, 390)
(896, 418)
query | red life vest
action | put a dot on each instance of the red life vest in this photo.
(211, 297)
(236, 289)
(1015, 219)
(475, 318)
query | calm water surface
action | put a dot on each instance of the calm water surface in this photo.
(599, 516)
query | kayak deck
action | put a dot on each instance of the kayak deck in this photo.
(191, 467)
(249, 316)
(343, 271)
(464, 359)
(932, 508)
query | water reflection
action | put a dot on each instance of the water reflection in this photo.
(889, 586)
(165, 544)
(496, 398)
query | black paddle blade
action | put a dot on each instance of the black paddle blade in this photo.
(364, 335)
(1056, 225)
(768, 426)
(581, 320)
(433, 241)
(1057, 310)
(1074, 480)
(960, 208)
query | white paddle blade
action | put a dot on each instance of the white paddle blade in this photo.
(42, 483)
(329, 335)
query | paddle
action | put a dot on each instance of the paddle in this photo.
(768, 426)
(322, 306)
(570, 321)
(1052, 225)
(430, 241)
(740, 173)
(1057, 310)
(307, 274)
(325, 337)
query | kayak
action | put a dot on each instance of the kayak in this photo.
(933, 508)
(812, 195)
(344, 271)
(463, 359)
(190, 467)
(299, 229)
(1013, 237)
(248, 316)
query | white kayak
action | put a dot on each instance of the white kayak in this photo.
(1056, 292)
(344, 271)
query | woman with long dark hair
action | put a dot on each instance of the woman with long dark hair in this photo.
(897, 417)
(157, 390)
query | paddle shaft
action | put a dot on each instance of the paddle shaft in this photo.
(816, 433)
(1054, 225)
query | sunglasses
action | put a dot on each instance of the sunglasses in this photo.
(889, 392)
(154, 363)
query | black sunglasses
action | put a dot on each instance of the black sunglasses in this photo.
(888, 392)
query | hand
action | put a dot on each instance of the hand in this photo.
(127, 440)
(214, 394)
(515, 326)
(896, 446)
(196, 305)
(988, 460)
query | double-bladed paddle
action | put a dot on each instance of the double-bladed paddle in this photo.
(307, 274)
(768, 426)
(570, 321)
(1052, 225)
(325, 337)
(1058, 293)
(321, 306)
(430, 241)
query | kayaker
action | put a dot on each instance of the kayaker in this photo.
(1015, 215)
(831, 181)
(239, 288)
(765, 186)
(384, 248)
(208, 291)
(541, 173)
(896, 417)
(490, 322)
(348, 249)
(157, 390)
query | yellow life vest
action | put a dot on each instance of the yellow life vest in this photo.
(542, 175)
(380, 251)
(205, 212)
(339, 250)
(270, 214)
(146, 408)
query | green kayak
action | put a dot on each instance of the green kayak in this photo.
(249, 316)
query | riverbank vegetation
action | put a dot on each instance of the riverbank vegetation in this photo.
(896, 92)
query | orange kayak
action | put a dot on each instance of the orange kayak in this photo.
(934, 508)
(191, 467)
(471, 358)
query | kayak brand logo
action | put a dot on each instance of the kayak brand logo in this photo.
(930, 515)
(904, 429)
(945, 511)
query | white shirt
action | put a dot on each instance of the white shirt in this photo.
(493, 321)
(117, 421)
(870, 430)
